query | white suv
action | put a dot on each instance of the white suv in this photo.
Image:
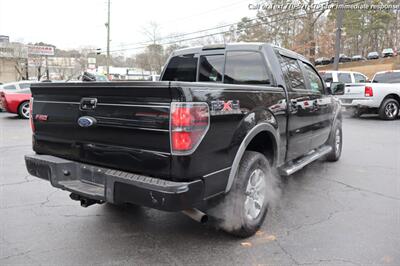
(346, 77)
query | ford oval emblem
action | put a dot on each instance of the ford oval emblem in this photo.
(86, 121)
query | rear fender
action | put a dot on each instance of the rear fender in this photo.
(258, 121)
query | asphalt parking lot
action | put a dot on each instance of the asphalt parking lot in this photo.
(344, 213)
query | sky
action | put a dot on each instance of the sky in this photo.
(80, 23)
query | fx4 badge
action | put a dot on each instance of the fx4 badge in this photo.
(220, 107)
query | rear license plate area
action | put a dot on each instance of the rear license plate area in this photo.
(347, 101)
(91, 174)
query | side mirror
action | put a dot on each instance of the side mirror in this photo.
(337, 88)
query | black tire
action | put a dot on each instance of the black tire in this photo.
(231, 213)
(23, 110)
(336, 142)
(356, 113)
(389, 109)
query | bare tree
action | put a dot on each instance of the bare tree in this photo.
(152, 32)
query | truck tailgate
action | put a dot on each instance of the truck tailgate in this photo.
(130, 130)
(352, 92)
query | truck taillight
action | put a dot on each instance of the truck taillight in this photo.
(368, 92)
(188, 126)
(31, 115)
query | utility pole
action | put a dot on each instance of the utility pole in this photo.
(47, 68)
(108, 37)
(339, 24)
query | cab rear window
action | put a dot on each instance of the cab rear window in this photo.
(388, 77)
(181, 68)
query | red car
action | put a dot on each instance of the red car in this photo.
(16, 102)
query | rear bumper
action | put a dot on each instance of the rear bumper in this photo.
(115, 186)
(348, 102)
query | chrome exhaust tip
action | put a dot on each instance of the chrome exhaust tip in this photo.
(196, 215)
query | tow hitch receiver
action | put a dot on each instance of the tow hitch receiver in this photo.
(85, 202)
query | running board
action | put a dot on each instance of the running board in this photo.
(296, 165)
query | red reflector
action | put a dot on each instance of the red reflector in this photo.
(181, 141)
(368, 92)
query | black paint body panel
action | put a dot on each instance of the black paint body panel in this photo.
(132, 123)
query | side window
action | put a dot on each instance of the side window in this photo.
(181, 68)
(245, 68)
(314, 79)
(10, 88)
(292, 72)
(211, 68)
(327, 77)
(24, 91)
(344, 77)
(358, 78)
(24, 85)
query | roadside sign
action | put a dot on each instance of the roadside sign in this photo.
(91, 60)
(41, 50)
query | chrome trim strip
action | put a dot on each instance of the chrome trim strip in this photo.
(109, 104)
(157, 152)
(134, 105)
(252, 91)
(37, 101)
(216, 172)
(286, 171)
(108, 121)
(150, 129)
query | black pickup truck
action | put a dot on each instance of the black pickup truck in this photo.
(209, 136)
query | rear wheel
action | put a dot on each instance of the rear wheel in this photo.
(243, 210)
(356, 112)
(23, 110)
(389, 109)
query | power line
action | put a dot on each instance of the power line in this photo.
(206, 12)
(212, 28)
(217, 33)
(222, 26)
(203, 36)
(181, 35)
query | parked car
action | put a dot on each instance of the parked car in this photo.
(344, 58)
(16, 102)
(388, 52)
(322, 61)
(16, 86)
(347, 77)
(373, 55)
(358, 58)
(381, 96)
(86, 76)
(153, 78)
(204, 139)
